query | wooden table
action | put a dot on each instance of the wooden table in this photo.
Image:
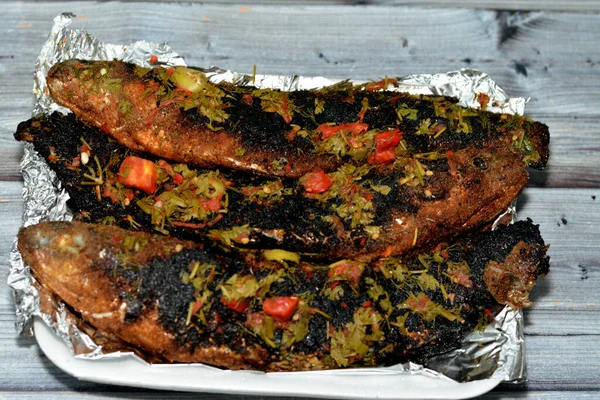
(548, 50)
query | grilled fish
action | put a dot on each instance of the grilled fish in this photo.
(183, 301)
(177, 114)
(359, 213)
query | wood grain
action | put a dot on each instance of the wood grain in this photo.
(513, 5)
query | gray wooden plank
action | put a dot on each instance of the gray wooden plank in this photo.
(513, 5)
(568, 219)
(343, 35)
(574, 155)
(523, 393)
(548, 56)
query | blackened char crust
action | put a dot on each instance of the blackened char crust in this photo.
(463, 191)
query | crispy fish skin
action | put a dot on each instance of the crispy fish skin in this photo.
(464, 191)
(142, 289)
(163, 130)
(270, 132)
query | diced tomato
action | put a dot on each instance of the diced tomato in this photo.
(177, 179)
(348, 270)
(170, 71)
(138, 173)
(213, 204)
(247, 99)
(367, 304)
(235, 305)
(166, 166)
(328, 131)
(368, 196)
(354, 127)
(462, 278)
(281, 308)
(419, 304)
(285, 111)
(483, 99)
(387, 140)
(382, 84)
(382, 157)
(316, 182)
(153, 59)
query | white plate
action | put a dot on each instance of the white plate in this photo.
(356, 384)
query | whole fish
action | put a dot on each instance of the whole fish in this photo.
(181, 301)
(351, 212)
(177, 114)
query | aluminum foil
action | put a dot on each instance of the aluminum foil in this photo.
(496, 352)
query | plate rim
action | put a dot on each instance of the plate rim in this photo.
(134, 372)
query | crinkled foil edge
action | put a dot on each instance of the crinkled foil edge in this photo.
(496, 352)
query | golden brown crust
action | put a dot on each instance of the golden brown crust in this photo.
(160, 130)
(64, 263)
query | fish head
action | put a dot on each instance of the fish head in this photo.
(93, 90)
(69, 78)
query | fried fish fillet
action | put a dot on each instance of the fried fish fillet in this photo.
(185, 302)
(361, 214)
(179, 115)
